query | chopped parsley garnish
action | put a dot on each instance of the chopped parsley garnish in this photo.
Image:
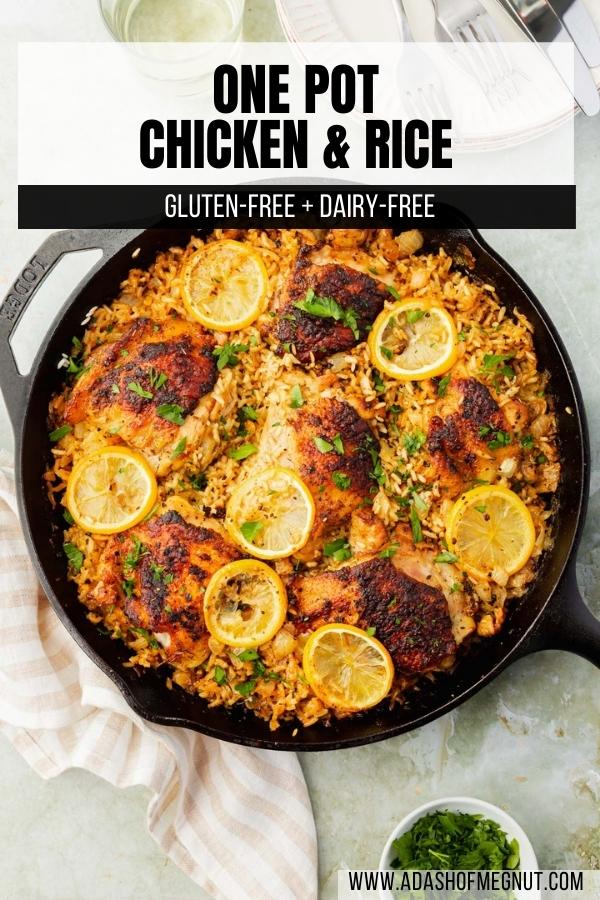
(296, 398)
(527, 442)
(136, 388)
(484, 429)
(378, 382)
(338, 444)
(455, 588)
(159, 574)
(496, 363)
(74, 555)
(455, 840)
(75, 366)
(322, 445)
(156, 379)
(341, 480)
(446, 557)
(115, 388)
(68, 517)
(172, 412)
(59, 433)
(389, 354)
(179, 448)
(392, 290)
(500, 439)
(339, 550)
(541, 459)
(198, 481)
(414, 442)
(143, 632)
(443, 385)
(248, 655)
(128, 586)
(480, 509)
(251, 529)
(388, 551)
(413, 315)
(249, 414)
(415, 525)
(219, 675)
(76, 344)
(371, 630)
(135, 554)
(227, 355)
(326, 308)
(377, 473)
(245, 688)
(242, 452)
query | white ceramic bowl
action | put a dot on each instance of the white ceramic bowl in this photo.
(467, 805)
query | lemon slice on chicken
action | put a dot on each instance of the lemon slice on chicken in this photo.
(347, 668)
(111, 490)
(413, 340)
(491, 531)
(245, 604)
(271, 514)
(224, 285)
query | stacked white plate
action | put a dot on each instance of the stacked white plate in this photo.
(373, 21)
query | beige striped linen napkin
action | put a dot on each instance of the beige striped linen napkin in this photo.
(212, 803)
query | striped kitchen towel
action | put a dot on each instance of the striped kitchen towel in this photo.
(212, 803)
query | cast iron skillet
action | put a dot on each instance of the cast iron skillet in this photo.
(552, 615)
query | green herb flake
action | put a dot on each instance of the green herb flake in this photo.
(179, 448)
(443, 385)
(228, 355)
(128, 586)
(198, 481)
(296, 398)
(455, 588)
(248, 414)
(341, 480)
(378, 382)
(68, 517)
(392, 290)
(136, 388)
(250, 530)
(59, 433)
(414, 442)
(446, 557)
(413, 315)
(143, 632)
(135, 554)
(338, 550)
(541, 459)
(248, 655)
(500, 439)
(242, 452)
(496, 364)
(415, 525)
(219, 675)
(322, 445)
(172, 412)
(527, 441)
(480, 509)
(115, 389)
(327, 308)
(157, 379)
(388, 551)
(74, 556)
(371, 630)
(338, 445)
(245, 688)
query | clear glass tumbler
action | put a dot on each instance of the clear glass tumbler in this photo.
(156, 32)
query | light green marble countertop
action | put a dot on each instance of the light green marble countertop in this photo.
(529, 742)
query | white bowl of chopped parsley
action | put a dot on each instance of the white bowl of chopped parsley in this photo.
(458, 833)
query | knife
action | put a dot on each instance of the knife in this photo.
(543, 26)
(580, 25)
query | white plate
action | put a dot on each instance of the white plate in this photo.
(373, 21)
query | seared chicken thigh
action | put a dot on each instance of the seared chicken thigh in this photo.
(156, 573)
(409, 617)
(469, 437)
(144, 384)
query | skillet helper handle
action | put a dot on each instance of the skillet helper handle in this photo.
(570, 625)
(14, 384)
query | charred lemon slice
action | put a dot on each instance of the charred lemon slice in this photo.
(245, 604)
(491, 531)
(347, 668)
(225, 285)
(111, 490)
(271, 514)
(413, 340)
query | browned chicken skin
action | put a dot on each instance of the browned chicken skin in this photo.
(410, 618)
(469, 437)
(173, 362)
(312, 336)
(156, 573)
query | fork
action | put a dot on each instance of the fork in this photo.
(426, 98)
(469, 22)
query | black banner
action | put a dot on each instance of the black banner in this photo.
(288, 206)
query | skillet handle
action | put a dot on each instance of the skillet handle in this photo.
(15, 385)
(568, 625)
